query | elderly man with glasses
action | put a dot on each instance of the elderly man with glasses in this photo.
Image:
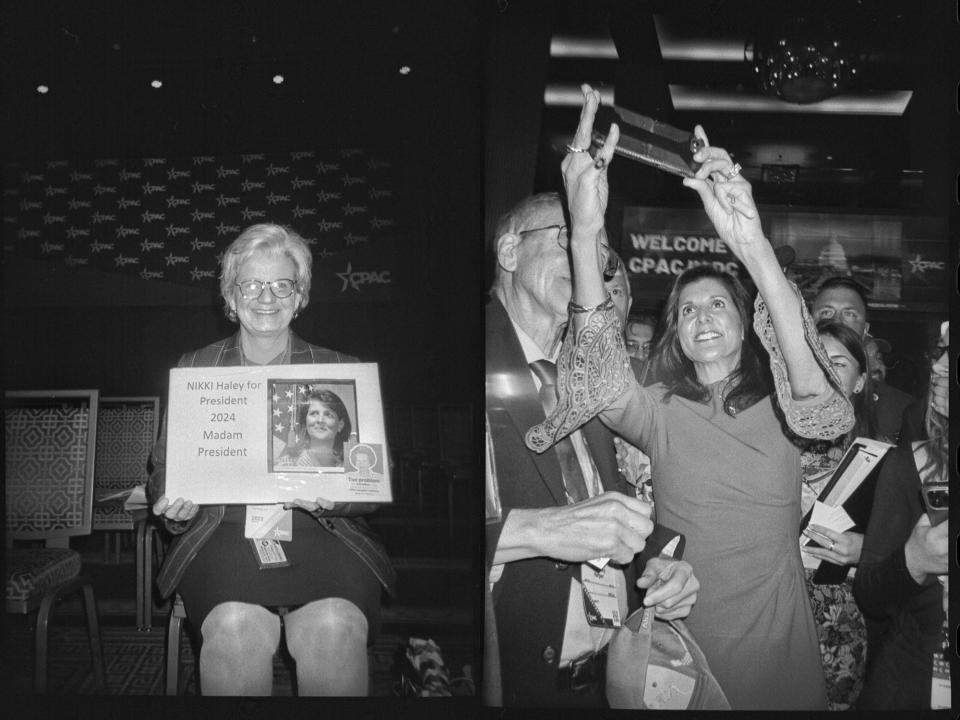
(554, 518)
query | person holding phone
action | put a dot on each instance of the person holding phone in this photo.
(903, 564)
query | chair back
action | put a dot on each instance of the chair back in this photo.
(126, 433)
(50, 438)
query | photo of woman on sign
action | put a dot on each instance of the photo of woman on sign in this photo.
(321, 425)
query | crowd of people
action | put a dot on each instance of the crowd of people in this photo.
(721, 421)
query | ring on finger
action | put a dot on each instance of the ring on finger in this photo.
(575, 149)
(833, 544)
(732, 172)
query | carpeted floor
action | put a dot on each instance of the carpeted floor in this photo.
(135, 662)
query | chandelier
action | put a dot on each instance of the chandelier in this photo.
(805, 61)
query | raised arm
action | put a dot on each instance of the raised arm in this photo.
(728, 201)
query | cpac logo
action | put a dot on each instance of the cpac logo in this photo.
(123, 203)
(299, 212)
(56, 163)
(51, 190)
(325, 225)
(375, 164)
(177, 202)
(349, 209)
(29, 205)
(49, 247)
(311, 241)
(300, 155)
(199, 244)
(150, 274)
(273, 199)
(358, 278)
(49, 219)
(23, 234)
(323, 168)
(354, 239)
(298, 183)
(123, 261)
(250, 158)
(198, 274)
(225, 229)
(325, 253)
(176, 259)
(73, 232)
(148, 245)
(199, 215)
(376, 194)
(174, 230)
(77, 204)
(247, 213)
(199, 187)
(103, 189)
(106, 162)
(377, 223)
(223, 172)
(173, 174)
(71, 261)
(99, 217)
(150, 188)
(323, 196)
(153, 162)
(249, 185)
(123, 232)
(277, 169)
(78, 176)
(29, 178)
(147, 216)
(351, 180)
(223, 200)
(127, 175)
(96, 246)
(203, 159)
(349, 152)
(919, 266)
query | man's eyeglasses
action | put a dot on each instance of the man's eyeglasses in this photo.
(282, 288)
(563, 240)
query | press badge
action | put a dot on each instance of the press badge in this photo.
(268, 521)
(600, 602)
(269, 553)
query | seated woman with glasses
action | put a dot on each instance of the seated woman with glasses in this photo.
(329, 594)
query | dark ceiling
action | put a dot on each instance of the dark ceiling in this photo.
(853, 158)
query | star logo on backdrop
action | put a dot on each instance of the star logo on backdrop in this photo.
(345, 276)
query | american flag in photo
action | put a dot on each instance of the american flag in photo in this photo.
(285, 400)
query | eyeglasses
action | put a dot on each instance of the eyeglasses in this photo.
(563, 240)
(282, 288)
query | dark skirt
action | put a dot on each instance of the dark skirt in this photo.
(321, 566)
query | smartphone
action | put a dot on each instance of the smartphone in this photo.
(649, 141)
(936, 496)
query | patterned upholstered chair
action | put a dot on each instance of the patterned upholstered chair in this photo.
(126, 433)
(50, 447)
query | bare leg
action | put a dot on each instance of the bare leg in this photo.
(239, 641)
(328, 640)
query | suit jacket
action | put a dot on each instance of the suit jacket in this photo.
(889, 405)
(530, 598)
(191, 536)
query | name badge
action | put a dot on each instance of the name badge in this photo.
(268, 521)
(600, 600)
(269, 553)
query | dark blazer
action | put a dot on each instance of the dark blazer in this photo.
(888, 406)
(530, 599)
(190, 537)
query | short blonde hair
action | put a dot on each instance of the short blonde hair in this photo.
(273, 240)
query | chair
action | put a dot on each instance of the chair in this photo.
(50, 448)
(126, 433)
(172, 674)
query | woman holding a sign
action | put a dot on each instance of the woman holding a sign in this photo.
(322, 587)
(725, 471)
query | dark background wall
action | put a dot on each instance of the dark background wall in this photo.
(68, 327)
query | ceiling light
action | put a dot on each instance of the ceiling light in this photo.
(156, 84)
(405, 70)
(568, 46)
(43, 89)
(278, 79)
(557, 95)
(689, 97)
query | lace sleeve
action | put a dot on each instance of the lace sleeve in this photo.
(824, 417)
(593, 370)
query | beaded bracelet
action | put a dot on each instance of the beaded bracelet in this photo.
(605, 305)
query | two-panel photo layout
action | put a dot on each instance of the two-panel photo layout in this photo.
(479, 359)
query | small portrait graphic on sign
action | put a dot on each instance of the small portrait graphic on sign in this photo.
(311, 422)
(365, 460)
